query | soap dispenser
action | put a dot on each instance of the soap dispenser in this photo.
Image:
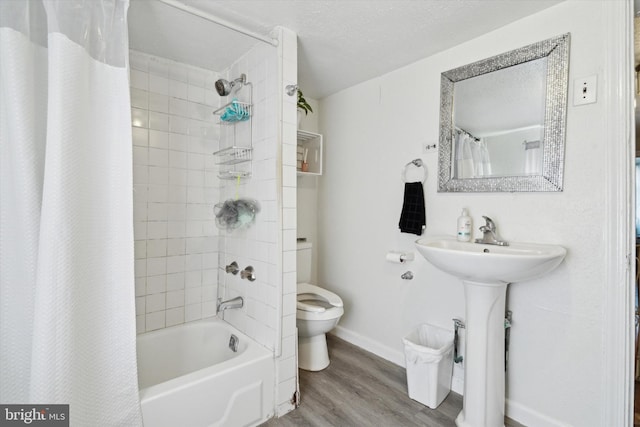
(464, 227)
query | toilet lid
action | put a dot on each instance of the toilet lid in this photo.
(316, 293)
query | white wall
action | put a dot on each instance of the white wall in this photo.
(556, 356)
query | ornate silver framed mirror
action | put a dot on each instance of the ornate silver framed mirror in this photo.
(502, 121)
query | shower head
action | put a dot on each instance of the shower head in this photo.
(224, 87)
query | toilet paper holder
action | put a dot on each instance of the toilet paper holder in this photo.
(400, 257)
(404, 257)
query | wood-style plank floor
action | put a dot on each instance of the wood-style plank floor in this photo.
(360, 389)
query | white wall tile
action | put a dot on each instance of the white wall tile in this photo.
(159, 67)
(139, 98)
(141, 285)
(156, 284)
(154, 321)
(138, 61)
(139, 118)
(140, 155)
(156, 230)
(193, 312)
(140, 324)
(140, 136)
(155, 302)
(157, 193)
(178, 89)
(140, 175)
(178, 72)
(175, 298)
(158, 139)
(175, 281)
(140, 249)
(198, 77)
(192, 279)
(158, 84)
(140, 268)
(158, 157)
(156, 266)
(139, 80)
(195, 93)
(141, 305)
(158, 176)
(178, 142)
(157, 248)
(158, 102)
(287, 369)
(158, 121)
(208, 308)
(174, 316)
(193, 295)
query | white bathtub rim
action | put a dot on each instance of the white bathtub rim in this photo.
(254, 352)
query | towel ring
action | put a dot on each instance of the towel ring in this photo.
(417, 163)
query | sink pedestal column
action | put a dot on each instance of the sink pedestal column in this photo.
(484, 376)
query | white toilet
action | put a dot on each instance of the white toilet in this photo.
(318, 312)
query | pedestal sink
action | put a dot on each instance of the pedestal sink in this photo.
(486, 270)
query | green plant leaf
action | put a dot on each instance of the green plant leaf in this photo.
(303, 104)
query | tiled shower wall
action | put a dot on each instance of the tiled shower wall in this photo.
(257, 245)
(269, 314)
(268, 246)
(173, 130)
(175, 187)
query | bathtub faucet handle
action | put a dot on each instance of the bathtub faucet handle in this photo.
(232, 268)
(248, 273)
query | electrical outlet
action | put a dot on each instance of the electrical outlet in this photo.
(585, 90)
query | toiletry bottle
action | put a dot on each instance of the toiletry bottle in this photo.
(464, 227)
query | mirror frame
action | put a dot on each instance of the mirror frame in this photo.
(556, 50)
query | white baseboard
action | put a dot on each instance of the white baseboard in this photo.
(387, 353)
(529, 417)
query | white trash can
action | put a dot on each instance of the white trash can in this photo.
(428, 353)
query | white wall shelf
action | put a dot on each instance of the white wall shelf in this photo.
(311, 143)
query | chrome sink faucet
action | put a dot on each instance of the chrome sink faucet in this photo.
(236, 302)
(489, 234)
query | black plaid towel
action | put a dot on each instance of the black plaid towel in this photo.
(413, 216)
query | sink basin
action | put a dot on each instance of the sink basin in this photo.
(490, 263)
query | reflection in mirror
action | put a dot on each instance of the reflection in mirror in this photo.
(502, 121)
(498, 122)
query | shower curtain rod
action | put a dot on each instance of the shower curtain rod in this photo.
(197, 12)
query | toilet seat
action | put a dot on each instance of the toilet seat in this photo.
(319, 294)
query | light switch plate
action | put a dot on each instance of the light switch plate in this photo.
(585, 90)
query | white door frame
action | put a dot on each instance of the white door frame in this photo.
(619, 310)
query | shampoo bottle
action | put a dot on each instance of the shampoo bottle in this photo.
(464, 227)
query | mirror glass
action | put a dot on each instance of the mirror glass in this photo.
(502, 121)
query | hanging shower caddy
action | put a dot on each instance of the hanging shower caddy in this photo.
(236, 124)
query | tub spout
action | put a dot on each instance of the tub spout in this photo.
(236, 302)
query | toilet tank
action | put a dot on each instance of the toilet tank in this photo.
(303, 262)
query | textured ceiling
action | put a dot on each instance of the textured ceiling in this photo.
(340, 42)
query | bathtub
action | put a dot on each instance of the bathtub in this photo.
(189, 377)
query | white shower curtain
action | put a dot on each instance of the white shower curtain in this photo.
(67, 315)
(471, 156)
(532, 157)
